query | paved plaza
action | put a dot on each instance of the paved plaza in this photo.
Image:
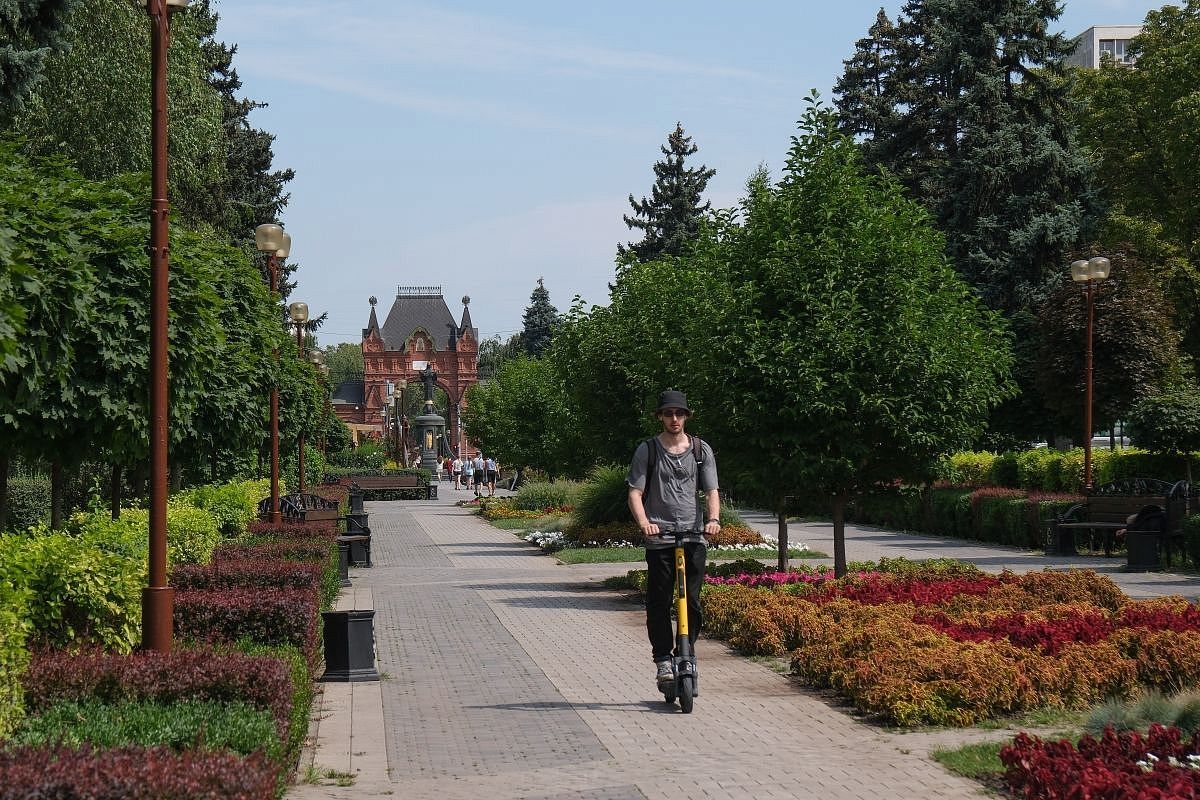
(505, 674)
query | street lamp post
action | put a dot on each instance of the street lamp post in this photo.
(158, 599)
(299, 315)
(318, 361)
(1088, 272)
(272, 240)
(402, 444)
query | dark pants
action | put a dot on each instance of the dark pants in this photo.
(660, 596)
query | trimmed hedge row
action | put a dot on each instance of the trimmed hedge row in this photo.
(1002, 516)
(134, 773)
(1049, 470)
(266, 615)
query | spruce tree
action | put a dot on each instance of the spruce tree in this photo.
(29, 29)
(670, 218)
(967, 104)
(541, 318)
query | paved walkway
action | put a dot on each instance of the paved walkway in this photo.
(505, 674)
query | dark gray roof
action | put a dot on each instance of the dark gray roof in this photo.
(418, 307)
(350, 392)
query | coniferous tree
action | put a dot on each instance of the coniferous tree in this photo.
(541, 318)
(967, 104)
(670, 217)
(29, 29)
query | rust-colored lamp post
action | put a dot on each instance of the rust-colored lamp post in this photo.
(317, 359)
(1089, 273)
(158, 599)
(298, 312)
(272, 240)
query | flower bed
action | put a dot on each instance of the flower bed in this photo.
(1157, 766)
(921, 647)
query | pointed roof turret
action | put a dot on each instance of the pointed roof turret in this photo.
(373, 322)
(466, 325)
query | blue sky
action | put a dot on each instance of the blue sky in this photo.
(480, 146)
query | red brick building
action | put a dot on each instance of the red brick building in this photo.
(418, 328)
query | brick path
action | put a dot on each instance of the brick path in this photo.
(508, 675)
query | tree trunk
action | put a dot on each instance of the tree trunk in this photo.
(839, 536)
(56, 495)
(782, 535)
(3, 491)
(175, 477)
(115, 491)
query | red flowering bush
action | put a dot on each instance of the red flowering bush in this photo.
(1027, 630)
(264, 615)
(195, 674)
(249, 573)
(134, 773)
(315, 549)
(1113, 767)
(324, 529)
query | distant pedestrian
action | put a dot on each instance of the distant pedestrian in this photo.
(479, 472)
(491, 476)
(468, 472)
(457, 466)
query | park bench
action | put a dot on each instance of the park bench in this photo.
(348, 632)
(301, 508)
(405, 483)
(1107, 509)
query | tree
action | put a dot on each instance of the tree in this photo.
(93, 105)
(28, 31)
(520, 418)
(851, 354)
(1144, 123)
(671, 217)
(345, 362)
(1169, 422)
(541, 318)
(493, 352)
(968, 105)
(1135, 348)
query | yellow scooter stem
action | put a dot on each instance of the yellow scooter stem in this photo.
(681, 591)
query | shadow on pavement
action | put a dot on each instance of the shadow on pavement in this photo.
(644, 707)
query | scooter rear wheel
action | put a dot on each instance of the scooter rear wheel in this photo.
(686, 693)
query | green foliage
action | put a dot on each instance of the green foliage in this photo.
(93, 108)
(521, 418)
(29, 29)
(1168, 422)
(603, 498)
(1191, 538)
(1148, 707)
(540, 496)
(233, 505)
(185, 725)
(967, 468)
(1136, 463)
(671, 218)
(14, 655)
(83, 589)
(192, 533)
(345, 362)
(302, 689)
(967, 104)
(1004, 471)
(28, 502)
(539, 322)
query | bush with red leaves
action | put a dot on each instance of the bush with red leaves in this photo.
(134, 773)
(198, 674)
(1105, 769)
(315, 549)
(249, 574)
(1046, 636)
(266, 616)
(324, 529)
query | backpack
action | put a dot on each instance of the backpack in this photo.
(652, 457)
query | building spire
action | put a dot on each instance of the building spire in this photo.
(373, 322)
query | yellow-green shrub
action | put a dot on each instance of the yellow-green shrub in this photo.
(972, 468)
(233, 505)
(14, 655)
(82, 589)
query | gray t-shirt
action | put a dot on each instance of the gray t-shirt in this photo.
(672, 502)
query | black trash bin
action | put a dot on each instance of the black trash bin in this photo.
(1143, 540)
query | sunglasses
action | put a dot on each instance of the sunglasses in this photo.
(674, 413)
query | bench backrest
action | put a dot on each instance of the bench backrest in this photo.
(1117, 509)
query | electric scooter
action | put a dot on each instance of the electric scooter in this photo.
(686, 686)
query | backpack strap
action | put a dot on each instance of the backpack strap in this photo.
(651, 462)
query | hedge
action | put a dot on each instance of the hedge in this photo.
(266, 616)
(1049, 470)
(134, 773)
(14, 657)
(28, 502)
(233, 505)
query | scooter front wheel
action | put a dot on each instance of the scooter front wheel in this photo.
(669, 695)
(686, 694)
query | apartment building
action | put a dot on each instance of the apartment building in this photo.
(1100, 39)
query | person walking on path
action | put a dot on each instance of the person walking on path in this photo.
(479, 471)
(665, 479)
(456, 466)
(491, 476)
(468, 472)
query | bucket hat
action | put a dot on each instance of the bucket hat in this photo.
(672, 399)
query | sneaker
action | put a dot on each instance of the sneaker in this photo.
(666, 673)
